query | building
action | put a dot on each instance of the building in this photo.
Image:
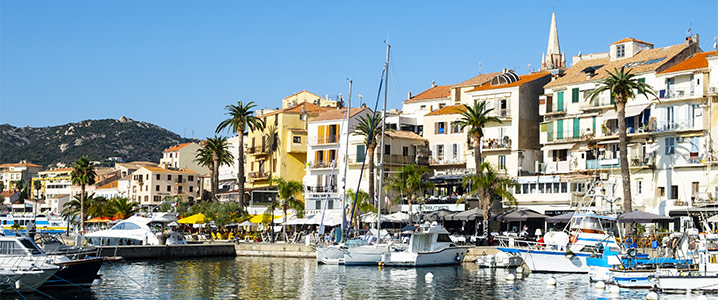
(415, 107)
(11, 173)
(307, 97)
(182, 156)
(280, 150)
(511, 146)
(228, 173)
(150, 185)
(54, 182)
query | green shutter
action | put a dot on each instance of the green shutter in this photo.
(574, 95)
(594, 125)
(550, 131)
(560, 102)
(612, 101)
(559, 129)
(642, 80)
(576, 128)
(544, 127)
(360, 153)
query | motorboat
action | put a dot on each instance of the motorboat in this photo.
(75, 272)
(566, 251)
(704, 278)
(500, 260)
(430, 246)
(23, 265)
(330, 254)
(133, 231)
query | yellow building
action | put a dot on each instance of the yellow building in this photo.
(307, 97)
(280, 150)
(55, 182)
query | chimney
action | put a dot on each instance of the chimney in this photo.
(409, 95)
(505, 70)
(363, 105)
(433, 83)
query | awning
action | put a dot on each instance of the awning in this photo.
(558, 147)
(562, 218)
(631, 111)
(468, 215)
(193, 219)
(519, 215)
(641, 217)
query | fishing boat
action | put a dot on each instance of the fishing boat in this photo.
(430, 246)
(705, 278)
(23, 266)
(566, 251)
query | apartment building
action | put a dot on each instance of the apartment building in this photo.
(11, 173)
(182, 156)
(150, 185)
(54, 182)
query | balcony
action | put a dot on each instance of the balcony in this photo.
(322, 189)
(258, 175)
(594, 164)
(322, 164)
(323, 140)
(446, 161)
(555, 167)
(501, 113)
(494, 144)
(670, 94)
(180, 181)
(395, 159)
(565, 135)
(258, 150)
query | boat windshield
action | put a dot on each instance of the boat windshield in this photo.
(421, 242)
(29, 245)
(126, 226)
(11, 248)
(355, 243)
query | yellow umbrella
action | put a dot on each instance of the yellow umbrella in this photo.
(261, 218)
(193, 219)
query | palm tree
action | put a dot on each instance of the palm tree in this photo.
(123, 207)
(21, 186)
(488, 185)
(288, 189)
(368, 127)
(83, 173)
(213, 154)
(410, 182)
(241, 118)
(2, 186)
(363, 205)
(272, 147)
(93, 206)
(476, 117)
(37, 185)
(622, 86)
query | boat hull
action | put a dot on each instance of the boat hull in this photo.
(81, 272)
(446, 256)
(29, 281)
(684, 283)
(634, 279)
(330, 255)
(368, 255)
(551, 261)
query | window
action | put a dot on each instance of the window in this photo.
(620, 51)
(440, 128)
(674, 192)
(360, 153)
(439, 152)
(574, 95)
(157, 198)
(661, 191)
(169, 188)
(502, 162)
(191, 188)
(559, 129)
(147, 198)
(559, 96)
(422, 107)
(455, 127)
(303, 116)
(670, 145)
(190, 177)
(405, 151)
(387, 149)
(643, 80)
(157, 187)
(639, 186)
(179, 189)
(169, 176)
(147, 188)
(297, 139)
(158, 177)
(455, 151)
(441, 105)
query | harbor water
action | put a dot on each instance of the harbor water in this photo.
(297, 278)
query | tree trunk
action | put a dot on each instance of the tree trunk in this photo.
(82, 208)
(486, 203)
(623, 151)
(408, 198)
(215, 176)
(370, 153)
(284, 228)
(477, 153)
(240, 169)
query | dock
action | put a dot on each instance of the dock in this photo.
(169, 251)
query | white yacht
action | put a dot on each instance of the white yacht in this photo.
(23, 266)
(430, 246)
(133, 231)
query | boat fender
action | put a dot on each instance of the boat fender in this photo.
(458, 257)
(599, 285)
(572, 239)
(652, 296)
(551, 281)
(703, 296)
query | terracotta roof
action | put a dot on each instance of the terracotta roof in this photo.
(338, 114)
(177, 147)
(630, 39)
(404, 134)
(697, 61)
(575, 75)
(439, 91)
(18, 165)
(478, 80)
(310, 108)
(163, 170)
(448, 110)
(143, 163)
(522, 79)
(109, 185)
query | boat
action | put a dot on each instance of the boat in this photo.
(704, 278)
(499, 260)
(133, 231)
(566, 251)
(430, 246)
(80, 272)
(43, 223)
(23, 265)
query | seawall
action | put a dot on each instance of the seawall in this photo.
(169, 251)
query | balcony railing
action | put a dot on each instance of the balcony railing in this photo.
(496, 143)
(676, 93)
(446, 161)
(257, 150)
(322, 189)
(258, 175)
(321, 164)
(398, 159)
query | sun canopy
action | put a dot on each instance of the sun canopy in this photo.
(193, 219)
(398, 217)
(519, 215)
(631, 111)
(262, 218)
(562, 218)
(99, 220)
(642, 217)
(437, 215)
(469, 215)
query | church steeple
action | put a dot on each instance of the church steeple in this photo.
(553, 58)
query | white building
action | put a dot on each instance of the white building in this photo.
(182, 156)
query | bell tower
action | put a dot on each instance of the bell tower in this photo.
(553, 58)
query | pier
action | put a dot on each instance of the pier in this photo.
(169, 251)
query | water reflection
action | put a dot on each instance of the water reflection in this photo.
(285, 278)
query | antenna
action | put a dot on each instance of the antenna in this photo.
(480, 63)
(529, 68)
(690, 29)
(715, 43)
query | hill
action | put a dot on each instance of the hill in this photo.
(99, 139)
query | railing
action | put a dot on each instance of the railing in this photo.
(563, 135)
(496, 143)
(398, 159)
(593, 164)
(554, 167)
(258, 175)
(446, 161)
(676, 93)
(501, 113)
(257, 150)
(321, 164)
(322, 189)
(676, 202)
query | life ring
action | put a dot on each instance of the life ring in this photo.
(572, 239)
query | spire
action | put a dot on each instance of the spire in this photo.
(553, 47)
(553, 58)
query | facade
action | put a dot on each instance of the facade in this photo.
(150, 185)
(228, 173)
(11, 173)
(278, 151)
(182, 156)
(307, 97)
(415, 107)
(54, 182)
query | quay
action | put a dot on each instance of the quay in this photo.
(168, 251)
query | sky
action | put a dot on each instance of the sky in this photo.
(178, 63)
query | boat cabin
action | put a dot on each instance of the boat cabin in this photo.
(18, 246)
(431, 237)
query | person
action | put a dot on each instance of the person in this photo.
(31, 229)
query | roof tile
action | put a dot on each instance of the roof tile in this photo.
(448, 110)
(697, 61)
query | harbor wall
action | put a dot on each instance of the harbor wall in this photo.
(169, 251)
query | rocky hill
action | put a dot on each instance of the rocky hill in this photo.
(99, 139)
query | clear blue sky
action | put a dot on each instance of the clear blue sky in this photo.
(178, 63)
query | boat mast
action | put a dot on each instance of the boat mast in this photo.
(346, 159)
(381, 150)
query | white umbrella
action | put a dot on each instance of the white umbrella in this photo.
(713, 219)
(398, 217)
